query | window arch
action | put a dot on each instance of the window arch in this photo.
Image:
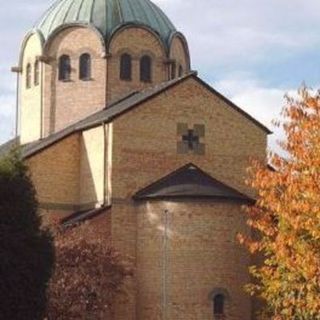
(180, 71)
(173, 70)
(218, 306)
(85, 67)
(64, 68)
(36, 73)
(145, 69)
(125, 67)
(28, 76)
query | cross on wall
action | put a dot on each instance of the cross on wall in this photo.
(190, 140)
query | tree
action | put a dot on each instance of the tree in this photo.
(88, 274)
(26, 250)
(286, 217)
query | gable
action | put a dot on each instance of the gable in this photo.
(138, 99)
(190, 182)
(189, 83)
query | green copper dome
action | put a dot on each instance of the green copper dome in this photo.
(106, 16)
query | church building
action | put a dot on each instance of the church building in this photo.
(120, 132)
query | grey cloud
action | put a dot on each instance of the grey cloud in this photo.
(228, 39)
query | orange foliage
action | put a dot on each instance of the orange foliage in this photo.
(287, 217)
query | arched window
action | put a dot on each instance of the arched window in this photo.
(180, 71)
(28, 76)
(36, 73)
(85, 67)
(173, 70)
(64, 68)
(145, 69)
(125, 67)
(218, 306)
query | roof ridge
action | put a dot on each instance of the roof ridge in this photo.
(121, 106)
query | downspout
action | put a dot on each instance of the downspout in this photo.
(105, 163)
(165, 267)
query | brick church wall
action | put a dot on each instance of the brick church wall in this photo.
(179, 55)
(145, 139)
(69, 101)
(135, 41)
(199, 254)
(54, 104)
(30, 111)
(55, 174)
(145, 150)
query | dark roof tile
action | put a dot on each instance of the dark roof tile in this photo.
(190, 182)
(118, 108)
(81, 216)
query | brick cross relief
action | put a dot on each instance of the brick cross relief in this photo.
(190, 139)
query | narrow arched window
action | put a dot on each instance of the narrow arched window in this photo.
(180, 71)
(218, 306)
(36, 73)
(85, 67)
(145, 69)
(28, 76)
(64, 68)
(173, 70)
(125, 67)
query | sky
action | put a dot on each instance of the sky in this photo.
(253, 52)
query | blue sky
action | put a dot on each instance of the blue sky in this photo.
(251, 51)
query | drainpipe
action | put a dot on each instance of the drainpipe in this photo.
(165, 266)
(105, 163)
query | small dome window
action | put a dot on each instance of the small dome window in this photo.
(145, 69)
(180, 71)
(125, 67)
(218, 306)
(85, 67)
(173, 70)
(36, 73)
(64, 68)
(28, 76)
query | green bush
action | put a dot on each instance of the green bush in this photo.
(26, 249)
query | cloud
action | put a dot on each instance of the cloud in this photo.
(249, 35)
(274, 42)
(263, 103)
(7, 116)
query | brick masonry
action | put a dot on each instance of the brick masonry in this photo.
(54, 104)
(203, 250)
(175, 275)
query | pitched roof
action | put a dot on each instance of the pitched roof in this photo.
(122, 106)
(191, 182)
(106, 115)
(81, 216)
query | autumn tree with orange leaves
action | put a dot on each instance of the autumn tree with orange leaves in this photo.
(286, 217)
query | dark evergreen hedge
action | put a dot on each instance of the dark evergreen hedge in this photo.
(26, 250)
